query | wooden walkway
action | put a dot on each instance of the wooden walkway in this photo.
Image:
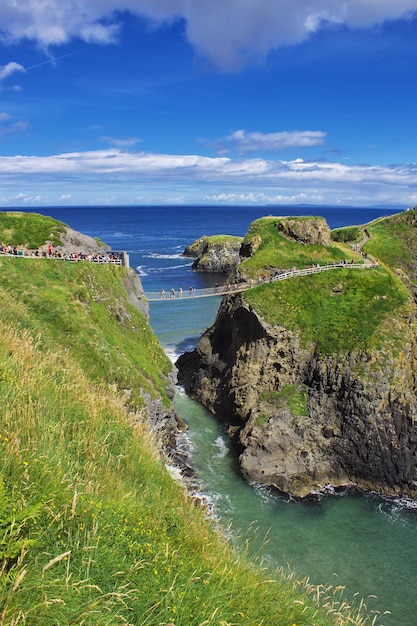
(222, 290)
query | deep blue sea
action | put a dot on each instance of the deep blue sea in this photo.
(365, 543)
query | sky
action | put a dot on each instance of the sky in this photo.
(208, 102)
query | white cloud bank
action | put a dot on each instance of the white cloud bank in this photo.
(125, 176)
(227, 32)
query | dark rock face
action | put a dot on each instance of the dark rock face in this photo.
(359, 425)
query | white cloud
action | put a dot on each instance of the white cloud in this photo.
(251, 142)
(10, 68)
(125, 176)
(226, 32)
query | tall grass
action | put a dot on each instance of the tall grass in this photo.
(29, 229)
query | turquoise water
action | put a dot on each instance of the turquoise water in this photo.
(365, 543)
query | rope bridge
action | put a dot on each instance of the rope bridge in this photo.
(169, 296)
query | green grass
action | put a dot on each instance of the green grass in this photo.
(29, 229)
(276, 251)
(393, 240)
(83, 308)
(347, 234)
(290, 397)
(338, 310)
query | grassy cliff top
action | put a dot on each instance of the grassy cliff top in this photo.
(196, 248)
(273, 248)
(82, 308)
(341, 309)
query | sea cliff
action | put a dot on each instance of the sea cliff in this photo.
(315, 379)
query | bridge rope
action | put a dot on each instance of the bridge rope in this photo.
(228, 288)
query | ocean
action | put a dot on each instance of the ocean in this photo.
(365, 543)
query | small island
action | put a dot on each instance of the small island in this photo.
(315, 376)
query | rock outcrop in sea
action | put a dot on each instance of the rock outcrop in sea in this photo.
(214, 254)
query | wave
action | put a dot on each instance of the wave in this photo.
(221, 445)
(155, 255)
(119, 235)
(172, 355)
(156, 270)
(141, 271)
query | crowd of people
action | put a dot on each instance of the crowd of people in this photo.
(50, 253)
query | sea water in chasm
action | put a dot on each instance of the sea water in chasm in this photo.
(363, 542)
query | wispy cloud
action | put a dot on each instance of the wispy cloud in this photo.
(9, 69)
(9, 126)
(126, 142)
(254, 141)
(228, 33)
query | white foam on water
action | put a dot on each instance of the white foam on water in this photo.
(221, 445)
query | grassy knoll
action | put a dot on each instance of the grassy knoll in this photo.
(338, 310)
(29, 229)
(393, 240)
(273, 250)
(93, 530)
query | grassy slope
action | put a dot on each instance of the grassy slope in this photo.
(78, 307)
(393, 241)
(92, 528)
(339, 310)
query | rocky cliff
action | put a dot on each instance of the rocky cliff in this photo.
(355, 423)
(316, 382)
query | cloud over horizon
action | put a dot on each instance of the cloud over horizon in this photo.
(219, 179)
(227, 33)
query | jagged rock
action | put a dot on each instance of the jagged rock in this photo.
(310, 230)
(359, 426)
(214, 256)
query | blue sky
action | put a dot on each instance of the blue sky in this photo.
(208, 102)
